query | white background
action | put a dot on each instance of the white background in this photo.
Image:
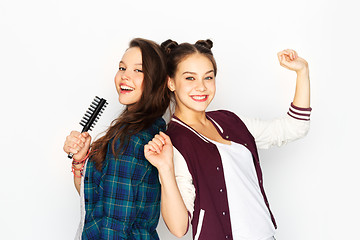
(55, 56)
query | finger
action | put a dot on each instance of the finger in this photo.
(76, 142)
(283, 56)
(75, 133)
(166, 138)
(154, 146)
(83, 136)
(296, 54)
(73, 151)
(288, 51)
(160, 138)
(159, 143)
(79, 146)
(86, 136)
(283, 52)
(78, 138)
(292, 54)
(147, 149)
(68, 148)
(69, 142)
(151, 149)
(73, 138)
(282, 59)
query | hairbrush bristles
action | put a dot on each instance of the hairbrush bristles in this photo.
(92, 115)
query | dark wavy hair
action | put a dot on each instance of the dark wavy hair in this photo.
(153, 103)
(175, 53)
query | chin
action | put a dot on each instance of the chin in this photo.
(200, 109)
(125, 101)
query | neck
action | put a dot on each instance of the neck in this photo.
(191, 117)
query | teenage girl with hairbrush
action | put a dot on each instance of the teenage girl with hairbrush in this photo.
(119, 188)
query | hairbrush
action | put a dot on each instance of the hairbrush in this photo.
(92, 115)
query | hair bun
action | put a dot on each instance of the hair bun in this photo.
(205, 43)
(169, 45)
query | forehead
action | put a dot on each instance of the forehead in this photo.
(132, 55)
(195, 63)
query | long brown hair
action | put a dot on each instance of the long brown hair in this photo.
(153, 103)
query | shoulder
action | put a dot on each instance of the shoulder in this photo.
(133, 149)
(225, 116)
(182, 137)
(129, 163)
(147, 134)
(137, 141)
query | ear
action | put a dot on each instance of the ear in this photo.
(171, 83)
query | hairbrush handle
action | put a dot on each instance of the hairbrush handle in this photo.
(92, 115)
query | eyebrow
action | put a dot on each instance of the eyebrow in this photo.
(135, 63)
(194, 73)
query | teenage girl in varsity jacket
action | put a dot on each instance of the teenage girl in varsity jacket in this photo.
(209, 172)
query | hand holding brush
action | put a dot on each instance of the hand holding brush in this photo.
(77, 144)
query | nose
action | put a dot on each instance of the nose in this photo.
(125, 75)
(201, 86)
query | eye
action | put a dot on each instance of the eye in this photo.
(138, 70)
(122, 69)
(190, 78)
(209, 78)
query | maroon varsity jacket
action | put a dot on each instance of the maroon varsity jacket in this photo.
(204, 163)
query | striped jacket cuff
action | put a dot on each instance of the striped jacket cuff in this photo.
(299, 113)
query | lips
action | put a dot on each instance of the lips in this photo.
(199, 98)
(125, 88)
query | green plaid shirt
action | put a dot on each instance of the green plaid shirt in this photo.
(123, 200)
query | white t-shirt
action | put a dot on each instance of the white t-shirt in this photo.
(250, 218)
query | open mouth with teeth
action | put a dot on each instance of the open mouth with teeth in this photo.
(126, 89)
(199, 98)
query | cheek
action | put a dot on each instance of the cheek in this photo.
(117, 78)
(139, 83)
(211, 86)
(183, 87)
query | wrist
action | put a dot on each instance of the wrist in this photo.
(166, 172)
(303, 71)
(77, 166)
(78, 158)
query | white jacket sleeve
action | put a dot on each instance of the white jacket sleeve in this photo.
(184, 181)
(280, 131)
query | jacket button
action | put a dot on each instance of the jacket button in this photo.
(227, 137)
(223, 213)
(227, 237)
(221, 190)
(86, 200)
(245, 144)
(86, 178)
(218, 168)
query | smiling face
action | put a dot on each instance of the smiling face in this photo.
(193, 84)
(129, 79)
